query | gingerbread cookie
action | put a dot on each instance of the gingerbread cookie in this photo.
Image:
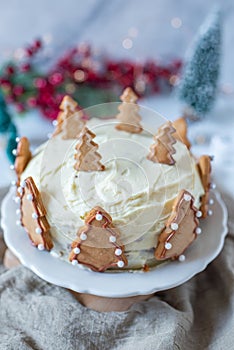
(181, 228)
(87, 158)
(69, 121)
(33, 215)
(162, 149)
(128, 116)
(204, 169)
(98, 244)
(181, 131)
(23, 156)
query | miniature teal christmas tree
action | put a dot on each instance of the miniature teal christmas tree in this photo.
(198, 85)
(8, 128)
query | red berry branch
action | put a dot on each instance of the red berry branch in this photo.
(81, 73)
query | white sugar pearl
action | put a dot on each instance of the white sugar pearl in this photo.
(18, 211)
(76, 250)
(54, 122)
(74, 262)
(120, 263)
(182, 258)
(213, 186)
(210, 212)
(38, 230)
(17, 199)
(34, 216)
(17, 139)
(168, 245)
(112, 239)
(198, 214)
(12, 167)
(29, 197)
(13, 183)
(198, 230)
(23, 184)
(99, 217)
(174, 226)
(20, 190)
(211, 201)
(118, 251)
(40, 247)
(187, 197)
(83, 236)
(18, 222)
(14, 152)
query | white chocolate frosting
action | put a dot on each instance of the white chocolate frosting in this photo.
(136, 192)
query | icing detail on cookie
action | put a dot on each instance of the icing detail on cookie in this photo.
(76, 250)
(182, 258)
(74, 262)
(38, 230)
(162, 149)
(17, 199)
(211, 201)
(98, 217)
(173, 243)
(187, 197)
(168, 245)
(87, 157)
(120, 263)
(128, 116)
(102, 248)
(118, 251)
(29, 197)
(33, 216)
(174, 226)
(198, 230)
(112, 239)
(83, 236)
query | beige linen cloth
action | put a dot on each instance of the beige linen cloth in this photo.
(196, 315)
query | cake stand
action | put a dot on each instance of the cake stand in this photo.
(117, 285)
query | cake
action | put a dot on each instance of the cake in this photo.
(127, 201)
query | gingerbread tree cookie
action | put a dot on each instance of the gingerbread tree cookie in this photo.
(33, 215)
(87, 158)
(181, 228)
(23, 156)
(162, 149)
(98, 244)
(69, 121)
(128, 116)
(180, 125)
(204, 168)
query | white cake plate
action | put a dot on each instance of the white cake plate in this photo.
(117, 285)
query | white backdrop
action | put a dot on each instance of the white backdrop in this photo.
(106, 23)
